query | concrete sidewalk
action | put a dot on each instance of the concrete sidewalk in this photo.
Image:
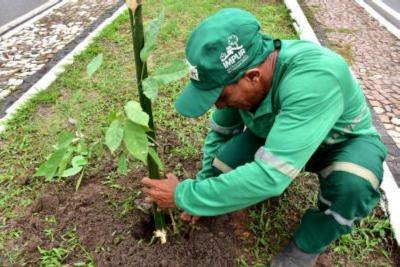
(26, 55)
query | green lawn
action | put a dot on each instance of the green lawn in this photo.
(90, 101)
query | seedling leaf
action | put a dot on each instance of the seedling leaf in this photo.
(114, 135)
(173, 72)
(49, 168)
(153, 154)
(134, 112)
(78, 161)
(122, 165)
(150, 36)
(72, 171)
(94, 65)
(65, 161)
(135, 140)
(150, 88)
(64, 139)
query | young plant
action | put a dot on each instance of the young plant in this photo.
(68, 158)
(135, 127)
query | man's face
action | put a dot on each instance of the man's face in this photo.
(247, 93)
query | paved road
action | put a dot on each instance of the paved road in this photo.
(11, 10)
(395, 4)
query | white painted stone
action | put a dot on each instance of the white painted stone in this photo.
(4, 93)
(394, 133)
(396, 121)
(15, 82)
(378, 110)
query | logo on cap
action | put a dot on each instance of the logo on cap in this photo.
(235, 54)
(193, 73)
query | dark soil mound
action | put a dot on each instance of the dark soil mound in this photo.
(115, 240)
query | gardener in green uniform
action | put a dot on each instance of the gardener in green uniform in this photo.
(282, 106)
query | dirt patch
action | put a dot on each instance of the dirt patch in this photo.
(116, 240)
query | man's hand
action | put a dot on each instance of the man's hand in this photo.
(189, 218)
(160, 192)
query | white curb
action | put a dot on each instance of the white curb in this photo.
(54, 72)
(389, 186)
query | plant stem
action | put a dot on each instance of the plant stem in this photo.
(136, 22)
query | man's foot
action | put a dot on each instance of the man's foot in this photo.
(292, 256)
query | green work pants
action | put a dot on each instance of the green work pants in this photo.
(349, 174)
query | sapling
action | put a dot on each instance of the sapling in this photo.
(69, 158)
(135, 126)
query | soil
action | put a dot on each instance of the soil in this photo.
(116, 236)
(116, 241)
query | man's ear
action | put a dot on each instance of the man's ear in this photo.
(253, 75)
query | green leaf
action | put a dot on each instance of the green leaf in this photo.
(153, 154)
(135, 140)
(64, 139)
(94, 65)
(176, 70)
(173, 72)
(135, 113)
(82, 148)
(151, 88)
(150, 36)
(122, 165)
(72, 171)
(78, 161)
(114, 135)
(49, 168)
(65, 161)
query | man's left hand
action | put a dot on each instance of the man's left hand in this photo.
(160, 192)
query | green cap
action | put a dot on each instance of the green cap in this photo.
(218, 52)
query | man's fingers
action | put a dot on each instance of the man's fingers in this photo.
(148, 182)
(185, 216)
(194, 219)
(149, 191)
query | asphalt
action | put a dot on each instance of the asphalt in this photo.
(11, 10)
(394, 4)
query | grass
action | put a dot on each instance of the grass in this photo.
(90, 101)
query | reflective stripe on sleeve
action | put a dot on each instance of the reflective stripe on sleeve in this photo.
(324, 200)
(349, 128)
(221, 166)
(353, 169)
(226, 130)
(279, 164)
(339, 218)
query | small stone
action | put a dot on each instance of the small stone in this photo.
(221, 234)
(396, 121)
(394, 133)
(375, 103)
(4, 93)
(378, 110)
(15, 82)
(71, 121)
(388, 126)
(383, 118)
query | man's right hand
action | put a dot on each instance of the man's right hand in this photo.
(189, 218)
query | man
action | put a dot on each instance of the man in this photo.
(282, 106)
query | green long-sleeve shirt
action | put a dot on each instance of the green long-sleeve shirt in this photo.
(314, 101)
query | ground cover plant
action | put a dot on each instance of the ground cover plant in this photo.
(104, 223)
